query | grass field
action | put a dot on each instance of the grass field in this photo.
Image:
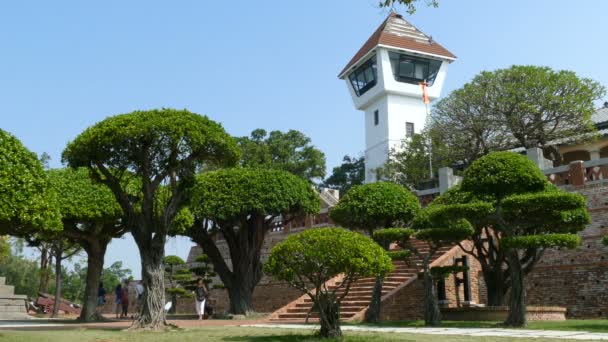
(229, 334)
(591, 325)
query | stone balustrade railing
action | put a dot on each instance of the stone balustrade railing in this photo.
(578, 173)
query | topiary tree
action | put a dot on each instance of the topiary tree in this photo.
(90, 218)
(159, 151)
(27, 205)
(173, 273)
(372, 206)
(202, 268)
(437, 232)
(517, 214)
(311, 258)
(242, 205)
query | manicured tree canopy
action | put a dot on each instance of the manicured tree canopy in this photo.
(311, 258)
(243, 205)
(375, 205)
(371, 206)
(90, 218)
(172, 264)
(162, 150)
(26, 203)
(82, 200)
(501, 174)
(517, 214)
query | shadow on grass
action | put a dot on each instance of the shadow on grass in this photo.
(307, 338)
(591, 325)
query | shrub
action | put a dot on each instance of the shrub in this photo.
(315, 256)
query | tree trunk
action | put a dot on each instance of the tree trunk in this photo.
(173, 309)
(517, 306)
(152, 313)
(432, 314)
(45, 260)
(240, 295)
(329, 315)
(495, 287)
(372, 315)
(95, 258)
(57, 283)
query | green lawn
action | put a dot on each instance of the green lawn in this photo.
(592, 325)
(230, 334)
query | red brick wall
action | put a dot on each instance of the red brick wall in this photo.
(577, 279)
(407, 303)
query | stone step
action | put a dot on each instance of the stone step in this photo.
(20, 316)
(7, 290)
(12, 308)
(12, 301)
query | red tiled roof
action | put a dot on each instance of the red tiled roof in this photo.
(397, 32)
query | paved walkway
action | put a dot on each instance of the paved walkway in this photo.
(553, 334)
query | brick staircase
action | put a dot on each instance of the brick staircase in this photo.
(12, 306)
(357, 300)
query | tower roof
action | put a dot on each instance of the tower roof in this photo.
(397, 32)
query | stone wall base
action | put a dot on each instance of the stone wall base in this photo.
(499, 313)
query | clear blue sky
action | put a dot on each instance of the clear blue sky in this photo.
(65, 65)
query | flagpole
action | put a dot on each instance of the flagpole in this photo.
(429, 141)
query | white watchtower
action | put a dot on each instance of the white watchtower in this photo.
(384, 80)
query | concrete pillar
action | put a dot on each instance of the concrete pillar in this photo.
(535, 154)
(447, 179)
(577, 173)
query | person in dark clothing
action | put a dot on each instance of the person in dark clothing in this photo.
(200, 296)
(118, 299)
(125, 301)
(101, 295)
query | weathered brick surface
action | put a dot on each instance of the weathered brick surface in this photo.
(407, 304)
(574, 279)
(577, 279)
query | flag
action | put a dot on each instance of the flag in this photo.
(425, 94)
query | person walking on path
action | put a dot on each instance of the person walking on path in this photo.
(101, 295)
(139, 290)
(118, 299)
(125, 301)
(200, 294)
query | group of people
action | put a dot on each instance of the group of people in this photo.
(121, 297)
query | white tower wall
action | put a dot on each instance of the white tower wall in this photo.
(397, 103)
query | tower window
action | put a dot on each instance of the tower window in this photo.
(364, 77)
(376, 118)
(413, 70)
(409, 129)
